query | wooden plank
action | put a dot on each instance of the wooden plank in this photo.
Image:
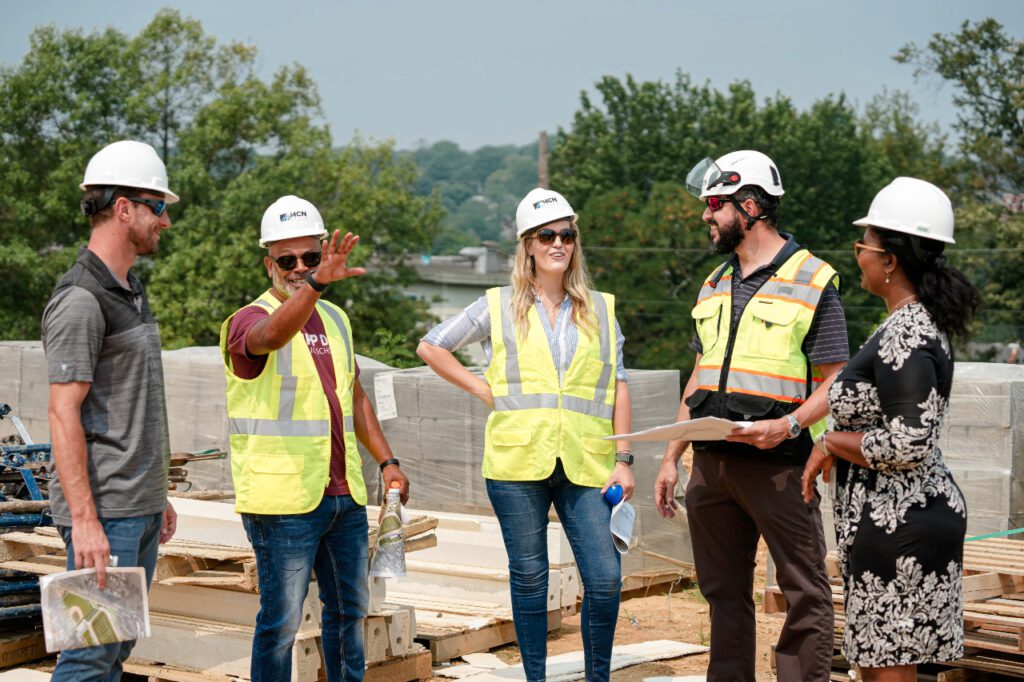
(982, 586)
(413, 666)
(20, 646)
(156, 672)
(453, 645)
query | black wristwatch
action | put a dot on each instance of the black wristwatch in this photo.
(389, 462)
(626, 457)
(311, 281)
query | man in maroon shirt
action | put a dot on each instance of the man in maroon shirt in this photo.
(332, 536)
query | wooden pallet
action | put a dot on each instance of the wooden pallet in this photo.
(993, 588)
(414, 666)
(21, 645)
(446, 643)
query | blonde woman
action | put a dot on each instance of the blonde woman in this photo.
(557, 385)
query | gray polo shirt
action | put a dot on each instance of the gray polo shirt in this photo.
(97, 331)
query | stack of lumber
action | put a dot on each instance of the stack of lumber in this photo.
(459, 589)
(204, 601)
(993, 590)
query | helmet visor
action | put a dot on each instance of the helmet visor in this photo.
(697, 178)
(707, 175)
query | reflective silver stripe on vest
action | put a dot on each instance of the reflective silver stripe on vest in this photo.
(536, 401)
(333, 314)
(592, 407)
(533, 401)
(774, 387)
(601, 310)
(708, 377)
(508, 337)
(808, 269)
(278, 427)
(289, 382)
(349, 424)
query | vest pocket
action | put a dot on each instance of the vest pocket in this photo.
(594, 445)
(276, 464)
(707, 318)
(769, 329)
(511, 438)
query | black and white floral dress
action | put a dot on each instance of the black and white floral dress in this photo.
(901, 521)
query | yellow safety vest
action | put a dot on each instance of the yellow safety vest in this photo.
(536, 420)
(279, 423)
(763, 359)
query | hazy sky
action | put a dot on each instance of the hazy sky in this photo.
(483, 72)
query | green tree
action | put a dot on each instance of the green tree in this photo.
(233, 144)
(984, 65)
(623, 160)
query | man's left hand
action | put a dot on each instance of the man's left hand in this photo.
(168, 524)
(393, 472)
(764, 434)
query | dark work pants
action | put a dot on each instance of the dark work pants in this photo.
(730, 502)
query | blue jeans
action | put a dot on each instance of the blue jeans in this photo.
(522, 511)
(331, 539)
(134, 541)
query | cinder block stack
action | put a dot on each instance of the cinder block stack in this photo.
(983, 443)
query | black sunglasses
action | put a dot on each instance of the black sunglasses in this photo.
(546, 235)
(310, 259)
(158, 206)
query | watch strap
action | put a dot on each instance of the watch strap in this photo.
(388, 462)
(626, 457)
(311, 281)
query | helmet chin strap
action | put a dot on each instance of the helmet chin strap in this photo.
(751, 220)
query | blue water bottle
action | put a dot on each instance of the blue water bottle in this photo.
(613, 495)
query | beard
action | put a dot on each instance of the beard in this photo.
(730, 235)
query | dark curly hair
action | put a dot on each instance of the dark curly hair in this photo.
(947, 295)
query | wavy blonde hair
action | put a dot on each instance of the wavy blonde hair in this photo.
(576, 281)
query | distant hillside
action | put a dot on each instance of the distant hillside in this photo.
(479, 189)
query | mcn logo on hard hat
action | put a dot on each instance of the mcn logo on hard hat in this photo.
(293, 214)
(549, 200)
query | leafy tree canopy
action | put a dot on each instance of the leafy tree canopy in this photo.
(233, 144)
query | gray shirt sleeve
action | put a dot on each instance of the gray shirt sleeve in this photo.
(73, 329)
(470, 326)
(620, 366)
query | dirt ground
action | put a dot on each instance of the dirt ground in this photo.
(678, 614)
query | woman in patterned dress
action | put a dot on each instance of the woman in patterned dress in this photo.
(900, 517)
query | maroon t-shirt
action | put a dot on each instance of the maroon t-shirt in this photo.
(249, 367)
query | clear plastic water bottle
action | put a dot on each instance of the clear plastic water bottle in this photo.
(389, 556)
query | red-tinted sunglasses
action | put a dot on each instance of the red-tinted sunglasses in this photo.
(715, 203)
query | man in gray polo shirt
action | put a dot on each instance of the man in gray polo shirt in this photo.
(108, 420)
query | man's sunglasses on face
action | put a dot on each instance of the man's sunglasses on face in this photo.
(158, 206)
(310, 259)
(715, 203)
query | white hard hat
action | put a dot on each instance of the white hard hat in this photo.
(290, 217)
(733, 171)
(914, 207)
(539, 207)
(128, 164)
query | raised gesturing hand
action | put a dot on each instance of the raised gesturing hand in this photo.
(334, 258)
